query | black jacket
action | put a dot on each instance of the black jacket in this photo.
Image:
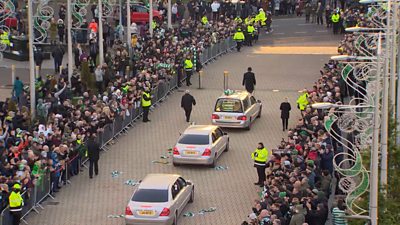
(58, 53)
(187, 102)
(249, 80)
(93, 149)
(285, 109)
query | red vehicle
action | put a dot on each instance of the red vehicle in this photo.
(140, 14)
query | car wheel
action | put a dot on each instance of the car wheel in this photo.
(212, 165)
(259, 113)
(227, 146)
(249, 127)
(191, 200)
(176, 219)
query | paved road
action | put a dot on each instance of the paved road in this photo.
(87, 202)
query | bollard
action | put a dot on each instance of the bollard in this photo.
(201, 73)
(61, 68)
(37, 72)
(12, 74)
(226, 74)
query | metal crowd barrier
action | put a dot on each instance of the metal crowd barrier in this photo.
(216, 50)
(110, 132)
(32, 199)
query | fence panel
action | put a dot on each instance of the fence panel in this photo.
(6, 218)
(118, 125)
(42, 188)
(107, 134)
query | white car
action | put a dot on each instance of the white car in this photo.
(159, 199)
(200, 144)
(236, 109)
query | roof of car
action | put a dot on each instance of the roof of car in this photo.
(159, 181)
(200, 129)
(239, 94)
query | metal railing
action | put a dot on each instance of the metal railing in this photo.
(110, 132)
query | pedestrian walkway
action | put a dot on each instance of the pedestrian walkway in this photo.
(91, 201)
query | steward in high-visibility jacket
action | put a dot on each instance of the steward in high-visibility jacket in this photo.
(154, 25)
(302, 101)
(335, 22)
(5, 39)
(146, 103)
(204, 20)
(260, 157)
(248, 20)
(250, 34)
(188, 66)
(239, 38)
(16, 203)
(261, 17)
(238, 20)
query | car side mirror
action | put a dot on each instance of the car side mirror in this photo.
(225, 133)
(258, 101)
(188, 182)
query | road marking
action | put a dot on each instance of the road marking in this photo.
(305, 24)
(321, 31)
(275, 90)
(279, 33)
(300, 32)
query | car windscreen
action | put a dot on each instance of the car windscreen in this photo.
(228, 105)
(150, 195)
(194, 139)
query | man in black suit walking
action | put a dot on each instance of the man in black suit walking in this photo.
(249, 80)
(285, 110)
(187, 102)
(93, 154)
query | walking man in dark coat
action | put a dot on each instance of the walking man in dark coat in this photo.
(249, 80)
(285, 109)
(187, 102)
(58, 54)
(93, 154)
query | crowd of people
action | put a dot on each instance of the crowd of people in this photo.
(299, 172)
(70, 114)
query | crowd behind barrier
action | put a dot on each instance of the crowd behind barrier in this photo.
(43, 187)
(300, 173)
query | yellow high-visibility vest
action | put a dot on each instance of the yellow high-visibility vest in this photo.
(16, 202)
(146, 103)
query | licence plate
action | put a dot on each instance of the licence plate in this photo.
(188, 152)
(228, 117)
(146, 212)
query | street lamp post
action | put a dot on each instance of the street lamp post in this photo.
(128, 23)
(101, 45)
(31, 60)
(69, 37)
(169, 14)
(151, 18)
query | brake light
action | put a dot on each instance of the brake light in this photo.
(207, 152)
(165, 212)
(215, 116)
(243, 118)
(176, 152)
(128, 211)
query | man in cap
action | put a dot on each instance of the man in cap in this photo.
(186, 103)
(16, 203)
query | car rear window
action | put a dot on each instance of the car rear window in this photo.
(194, 139)
(150, 195)
(228, 105)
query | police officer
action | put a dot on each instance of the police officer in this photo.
(188, 66)
(239, 38)
(260, 156)
(146, 103)
(302, 100)
(16, 203)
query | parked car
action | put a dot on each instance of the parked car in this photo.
(159, 199)
(200, 144)
(236, 109)
(140, 14)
